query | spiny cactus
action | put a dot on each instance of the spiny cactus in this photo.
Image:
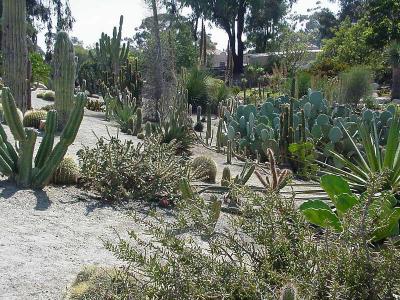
(288, 292)
(206, 167)
(208, 132)
(20, 166)
(229, 152)
(64, 77)
(278, 178)
(226, 177)
(67, 172)
(199, 125)
(138, 122)
(15, 51)
(32, 118)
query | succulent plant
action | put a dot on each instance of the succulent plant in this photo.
(67, 172)
(226, 177)
(138, 122)
(288, 292)
(32, 118)
(206, 167)
(21, 167)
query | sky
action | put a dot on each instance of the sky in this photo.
(96, 16)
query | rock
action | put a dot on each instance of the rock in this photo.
(396, 101)
(382, 100)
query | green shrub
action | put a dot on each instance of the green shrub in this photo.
(266, 251)
(206, 167)
(196, 85)
(217, 91)
(40, 70)
(120, 171)
(355, 84)
(49, 96)
(303, 83)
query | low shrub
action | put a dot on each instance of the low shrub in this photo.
(119, 171)
(267, 251)
(206, 167)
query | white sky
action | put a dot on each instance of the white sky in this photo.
(96, 16)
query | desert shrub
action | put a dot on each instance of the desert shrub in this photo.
(217, 91)
(118, 170)
(255, 255)
(49, 96)
(196, 85)
(303, 83)
(206, 167)
(67, 172)
(355, 84)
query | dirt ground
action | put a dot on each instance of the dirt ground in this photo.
(48, 236)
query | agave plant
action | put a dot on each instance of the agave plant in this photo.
(381, 209)
(372, 158)
(124, 114)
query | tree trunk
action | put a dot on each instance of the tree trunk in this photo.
(15, 51)
(238, 57)
(396, 82)
(158, 60)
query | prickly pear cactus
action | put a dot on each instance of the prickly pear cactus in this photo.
(64, 77)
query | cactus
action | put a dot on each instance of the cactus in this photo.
(206, 168)
(208, 132)
(138, 122)
(245, 174)
(19, 166)
(220, 135)
(226, 177)
(278, 178)
(67, 172)
(15, 51)
(288, 292)
(335, 134)
(32, 118)
(199, 126)
(229, 152)
(64, 77)
(148, 129)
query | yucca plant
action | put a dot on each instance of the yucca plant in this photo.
(372, 158)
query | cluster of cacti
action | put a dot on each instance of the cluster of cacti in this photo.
(277, 179)
(19, 164)
(64, 77)
(15, 51)
(109, 53)
(95, 105)
(131, 80)
(32, 118)
(284, 121)
(67, 172)
(206, 167)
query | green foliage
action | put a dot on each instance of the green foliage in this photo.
(67, 172)
(217, 91)
(206, 167)
(271, 236)
(379, 209)
(303, 160)
(40, 70)
(49, 96)
(303, 83)
(371, 158)
(121, 171)
(196, 85)
(355, 83)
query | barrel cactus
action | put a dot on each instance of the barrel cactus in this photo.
(20, 165)
(67, 172)
(206, 167)
(32, 118)
(226, 177)
(64, 77)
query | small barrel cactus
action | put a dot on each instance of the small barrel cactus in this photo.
(226, 177)
(206, 167)
(67, 172)
(32, 118)
(48, 96)
(288, 292)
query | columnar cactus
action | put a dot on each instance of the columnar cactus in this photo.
(15, 51)
(19, 165)
(138, 122)
(64, 77)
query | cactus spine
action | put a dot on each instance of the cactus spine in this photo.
(15, 51)
(19, 166)
(64, 77)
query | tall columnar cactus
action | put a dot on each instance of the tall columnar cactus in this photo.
(208, 132)
(19, 164)
(138, 122)
(15, 51)
(64, 77)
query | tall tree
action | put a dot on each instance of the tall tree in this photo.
(383, 19)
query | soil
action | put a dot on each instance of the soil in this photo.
(48, 236)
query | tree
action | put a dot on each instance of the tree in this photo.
(40, 70)
(351, 9)
(383, 20)
(322, 24)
